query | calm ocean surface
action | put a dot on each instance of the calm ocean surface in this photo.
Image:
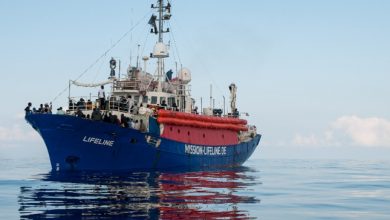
(264, 189)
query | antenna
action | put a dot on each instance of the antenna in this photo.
(211, 95)
(138, 56)
(224, 110)
(176, 67)
(119, 68)
(201, 105)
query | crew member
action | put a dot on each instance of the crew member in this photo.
(60, 111)
(102, 98)
(27, 109)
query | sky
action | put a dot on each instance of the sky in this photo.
(313, 75)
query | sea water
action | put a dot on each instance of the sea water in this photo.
(264, 189)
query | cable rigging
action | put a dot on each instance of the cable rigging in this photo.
(104, 54)
(174, 42)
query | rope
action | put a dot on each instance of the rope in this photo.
(98, 72)
(104, 54)
(144, 45)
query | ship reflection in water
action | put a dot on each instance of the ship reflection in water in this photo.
(215, 194)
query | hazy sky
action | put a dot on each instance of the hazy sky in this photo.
(314, 75)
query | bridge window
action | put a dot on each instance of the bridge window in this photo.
(145, 99)
(161, 100)
(154, 100)
(171, 100)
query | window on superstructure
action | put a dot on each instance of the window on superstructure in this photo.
(161, 100)
(145, 99)
(154, 100)
(171, 100)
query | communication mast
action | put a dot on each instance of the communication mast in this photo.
(160, 49)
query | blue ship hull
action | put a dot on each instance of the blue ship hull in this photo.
(81, 144)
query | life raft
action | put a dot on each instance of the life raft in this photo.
(182, 115)
(200, 121)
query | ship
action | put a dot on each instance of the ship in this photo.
(146, 122)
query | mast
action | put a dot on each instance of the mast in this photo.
(160, 70)
(160, 21)
(160, 49)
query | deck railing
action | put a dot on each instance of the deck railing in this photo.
(127, 85)
(109, 105)
(82, 102)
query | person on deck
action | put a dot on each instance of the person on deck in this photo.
(164, 104)
(124, 121)
(130, 103)
(174, 106)
(106, 117)
(142, 126)
(236, 113)
(89, 104)
(81, 104)
(60, 111)
(102, 98)
(96, 115)
(134, 110)
(27, 109)
(136, 125)
(47, 109)
(79, 113)
(41, 109)
(71, 105)
(132, 123)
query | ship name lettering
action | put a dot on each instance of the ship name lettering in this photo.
(203, 150)
(98, 141)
